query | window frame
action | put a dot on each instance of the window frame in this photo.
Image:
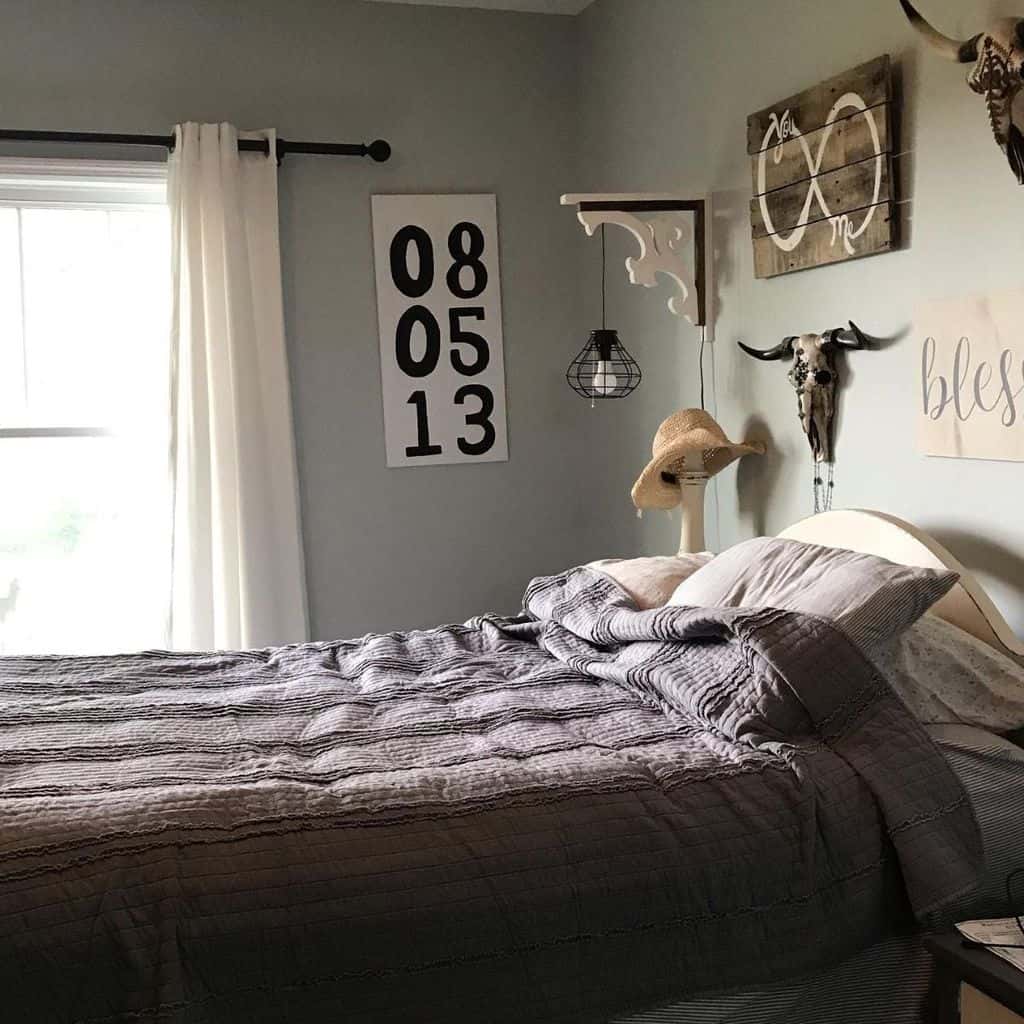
(68, 184)
(95, 186)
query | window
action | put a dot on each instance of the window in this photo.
(84, 400)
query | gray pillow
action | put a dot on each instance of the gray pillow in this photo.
(871, 598)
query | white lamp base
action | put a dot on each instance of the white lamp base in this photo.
(693, 482)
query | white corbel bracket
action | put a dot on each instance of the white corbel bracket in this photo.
(674, 233)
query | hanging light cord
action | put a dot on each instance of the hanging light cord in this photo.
(604, 278)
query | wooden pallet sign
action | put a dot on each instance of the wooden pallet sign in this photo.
(821, 164)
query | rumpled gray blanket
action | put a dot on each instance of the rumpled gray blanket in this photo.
(584, 811)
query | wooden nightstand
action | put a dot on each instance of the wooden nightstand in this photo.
(974, 986)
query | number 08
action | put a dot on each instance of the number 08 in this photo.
(466, 246)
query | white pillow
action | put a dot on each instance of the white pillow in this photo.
(651, 581)
(946, 675)
(871, 598)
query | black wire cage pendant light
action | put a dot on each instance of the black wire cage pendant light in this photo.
(603, 368)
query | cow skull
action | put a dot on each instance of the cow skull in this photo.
(997, 56)
(813, 376)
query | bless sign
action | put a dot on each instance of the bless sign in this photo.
(439, 312)
(972, 377)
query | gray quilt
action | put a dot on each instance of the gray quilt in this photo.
(576, 813)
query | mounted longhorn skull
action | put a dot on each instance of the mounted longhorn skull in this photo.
(998, 58)
(813, 376)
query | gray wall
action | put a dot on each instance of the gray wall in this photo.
(640, 95)
(472, 101)
(666, 87)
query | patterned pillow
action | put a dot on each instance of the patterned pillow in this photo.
(943, 674)
(871, 598)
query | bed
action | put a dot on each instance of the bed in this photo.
(891, 981)
(568, 815)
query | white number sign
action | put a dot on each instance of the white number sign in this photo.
(439, 311)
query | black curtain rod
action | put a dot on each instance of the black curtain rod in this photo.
(378, 150)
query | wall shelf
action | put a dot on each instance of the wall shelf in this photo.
(674, 234)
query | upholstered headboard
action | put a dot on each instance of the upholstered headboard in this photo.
(877, 533)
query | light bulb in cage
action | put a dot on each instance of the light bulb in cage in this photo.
(604, 369)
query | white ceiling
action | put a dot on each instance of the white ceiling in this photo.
(537, 6)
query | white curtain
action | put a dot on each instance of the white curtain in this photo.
(237, 572)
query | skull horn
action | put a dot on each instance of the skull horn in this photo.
(781, 351)
(964, 53)
(846, 338)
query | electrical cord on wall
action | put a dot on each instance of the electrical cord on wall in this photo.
(700, 365)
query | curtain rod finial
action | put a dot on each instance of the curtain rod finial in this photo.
(379, 150)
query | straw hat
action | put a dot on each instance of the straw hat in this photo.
(689, 430)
